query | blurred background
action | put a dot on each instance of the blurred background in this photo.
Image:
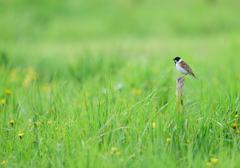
(95, 39)
(102, 72)
(51, 21)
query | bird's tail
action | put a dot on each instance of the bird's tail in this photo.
(194, 76)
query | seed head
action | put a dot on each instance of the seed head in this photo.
(228, 109)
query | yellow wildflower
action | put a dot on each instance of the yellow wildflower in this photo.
(30, 125)
(153, 124)
(118, 154)
(38, 123)
(60, 137)
(3, 162)
(30, 75)
(208, 164)
(168, 140)
(8, 92)
(214, 160)
(234, 125)
(188, 142)
(122, 160)
(138, 91)
(53, 134)
(13, 73)
(114, 149)
(49, 122)
(236, 116)
(133, 156)
(11, 122)
(21, 135)
(3, 101)
(56, 128)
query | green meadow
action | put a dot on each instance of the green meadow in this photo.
(93, 83)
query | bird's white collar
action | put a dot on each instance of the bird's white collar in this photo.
(179, 61)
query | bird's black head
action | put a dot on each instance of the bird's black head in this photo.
(176, 59)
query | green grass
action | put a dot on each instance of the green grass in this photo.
(92, 75)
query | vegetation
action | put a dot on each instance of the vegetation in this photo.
(92, 83)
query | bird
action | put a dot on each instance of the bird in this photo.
(183, 67)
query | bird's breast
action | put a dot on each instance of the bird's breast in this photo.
(181, 70)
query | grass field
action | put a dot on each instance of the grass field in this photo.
(92, 83)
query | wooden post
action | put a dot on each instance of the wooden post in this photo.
(180, 91)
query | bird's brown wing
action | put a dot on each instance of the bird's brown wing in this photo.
(186, 67)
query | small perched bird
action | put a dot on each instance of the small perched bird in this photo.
(183, 67)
